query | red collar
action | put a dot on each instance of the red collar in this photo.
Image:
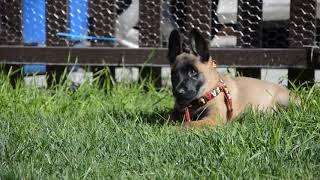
(209, 96)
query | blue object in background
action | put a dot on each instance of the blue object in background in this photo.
(34, 21)
(82, 37)
(78, 18)
(78, 23)
(34, 29)
(29, 69)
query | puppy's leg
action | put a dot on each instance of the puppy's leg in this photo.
(216, 116)
(295, 99)
(211, 120)
(282, 97)
(174, 116)
(200, 123)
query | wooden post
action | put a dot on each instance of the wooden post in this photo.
(302, 26)
(56, 21)
(198, 15)
(102, 19)
(250, 23)
(10, 22)
(149, 23)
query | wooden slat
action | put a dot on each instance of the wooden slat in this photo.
(276, 58)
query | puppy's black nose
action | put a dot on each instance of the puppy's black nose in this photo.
(181, 92)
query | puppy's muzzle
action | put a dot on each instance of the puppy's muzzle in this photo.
(184, 96)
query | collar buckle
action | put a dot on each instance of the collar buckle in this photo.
(202, 101)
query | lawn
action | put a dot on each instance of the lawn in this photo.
(122, 132)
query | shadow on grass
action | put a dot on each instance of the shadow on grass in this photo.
(157, 117)
(161, 117)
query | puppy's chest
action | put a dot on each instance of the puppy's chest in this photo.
(198, 113)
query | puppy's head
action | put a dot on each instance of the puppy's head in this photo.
(190, 69)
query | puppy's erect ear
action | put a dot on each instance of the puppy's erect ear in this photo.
(174, 46)
(199, 45)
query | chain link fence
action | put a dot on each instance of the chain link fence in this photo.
(148, 23)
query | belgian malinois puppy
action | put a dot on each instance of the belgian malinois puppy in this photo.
(206, 98)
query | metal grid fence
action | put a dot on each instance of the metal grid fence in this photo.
(147, 23)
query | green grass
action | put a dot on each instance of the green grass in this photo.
(122, 132)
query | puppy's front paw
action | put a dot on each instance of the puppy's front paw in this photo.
(186, 124)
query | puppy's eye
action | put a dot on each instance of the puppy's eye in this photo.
(193, 73)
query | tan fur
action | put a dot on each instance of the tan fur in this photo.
(245, 92)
